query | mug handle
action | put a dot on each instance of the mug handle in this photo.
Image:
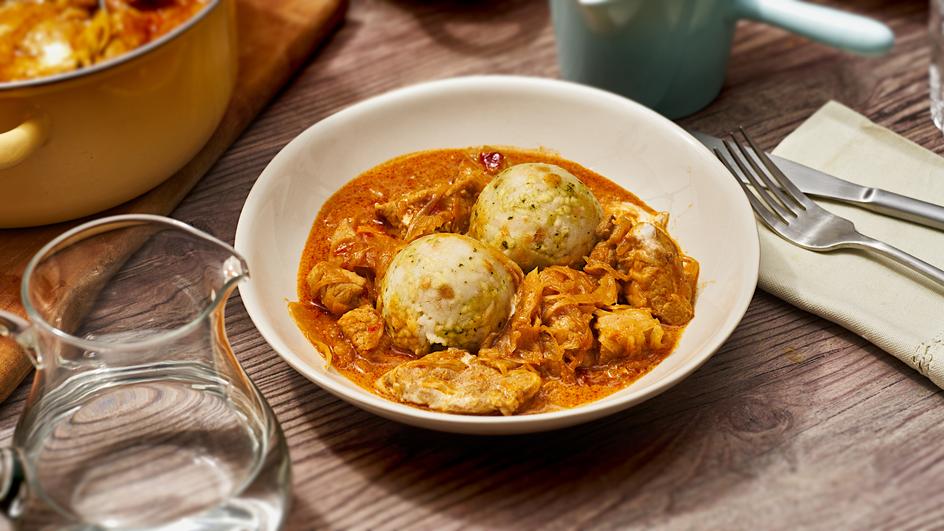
(20, 142)
(832, 27)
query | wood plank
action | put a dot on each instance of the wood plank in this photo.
(273, 42)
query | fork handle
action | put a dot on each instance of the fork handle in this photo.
(903, 258)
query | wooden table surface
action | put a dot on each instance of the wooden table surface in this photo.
(794, 422)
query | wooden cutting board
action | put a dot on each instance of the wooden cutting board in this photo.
(275, 38)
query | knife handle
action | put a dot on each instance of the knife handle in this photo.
(903, 207)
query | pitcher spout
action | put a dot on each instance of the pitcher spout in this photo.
(139, 282)
(235, 269)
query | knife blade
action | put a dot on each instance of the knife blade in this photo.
(817, 183)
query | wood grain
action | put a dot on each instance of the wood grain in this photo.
(793, 423)
(272, 44)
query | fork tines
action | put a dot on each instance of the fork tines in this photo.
(788, 212)
(777, 199)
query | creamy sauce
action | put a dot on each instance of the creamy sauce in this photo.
(419, 170)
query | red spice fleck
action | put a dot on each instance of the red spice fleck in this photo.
(492, 160)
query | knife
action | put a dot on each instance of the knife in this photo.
(815, 182)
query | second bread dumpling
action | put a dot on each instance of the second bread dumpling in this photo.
(538, 215)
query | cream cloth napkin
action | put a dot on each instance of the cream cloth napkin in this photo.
(900, 312)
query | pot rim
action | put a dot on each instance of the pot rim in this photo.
(114, 62)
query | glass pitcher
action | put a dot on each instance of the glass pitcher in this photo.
(139, 416)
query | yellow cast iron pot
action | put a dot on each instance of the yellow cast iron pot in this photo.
(81, 142)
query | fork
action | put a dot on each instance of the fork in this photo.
(787, 211)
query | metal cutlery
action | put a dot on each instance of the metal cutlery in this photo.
(787, 211)
(817, 183)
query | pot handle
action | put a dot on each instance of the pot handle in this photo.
(832, 27)
(22, 141)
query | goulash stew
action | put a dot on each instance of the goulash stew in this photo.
(492, 281)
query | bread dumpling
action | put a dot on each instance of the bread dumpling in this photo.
(538, 215)
(446, 290)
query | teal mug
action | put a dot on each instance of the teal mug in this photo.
(670, 55)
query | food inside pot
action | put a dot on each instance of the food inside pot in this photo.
(492, 281)
(41, 38)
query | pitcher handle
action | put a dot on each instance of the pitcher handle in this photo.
(832, 27)
(18, 329)
(12, 484)
(12, 475)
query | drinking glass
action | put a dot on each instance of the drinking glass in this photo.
(139, 416)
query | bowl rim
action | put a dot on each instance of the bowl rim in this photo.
(502, 424)
(115, 61)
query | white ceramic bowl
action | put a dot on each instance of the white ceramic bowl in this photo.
(626, 142)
